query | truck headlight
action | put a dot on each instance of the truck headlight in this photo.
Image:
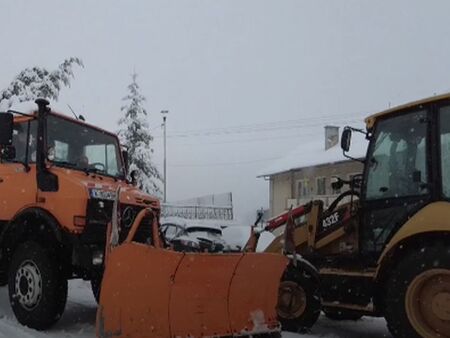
(97, 258)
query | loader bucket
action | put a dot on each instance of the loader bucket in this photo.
(148, 291)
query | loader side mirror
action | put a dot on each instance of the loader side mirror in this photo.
(346, 139)
(337, 183)
(6, 129)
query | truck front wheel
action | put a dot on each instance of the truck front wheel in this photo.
(37, 286)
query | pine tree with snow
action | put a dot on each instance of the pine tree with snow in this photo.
(135, 134)
(35, 82)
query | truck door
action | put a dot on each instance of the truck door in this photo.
(18, 176)
(397, 178)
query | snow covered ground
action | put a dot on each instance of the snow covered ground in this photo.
(79, 321)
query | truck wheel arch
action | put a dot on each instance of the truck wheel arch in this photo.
(18, 229)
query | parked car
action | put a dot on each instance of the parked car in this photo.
(200, 237)
(172, 227)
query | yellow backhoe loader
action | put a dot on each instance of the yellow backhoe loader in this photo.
(383, 247)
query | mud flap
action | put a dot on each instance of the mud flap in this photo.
(149, 292)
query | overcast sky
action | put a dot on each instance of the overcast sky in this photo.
(227, 64)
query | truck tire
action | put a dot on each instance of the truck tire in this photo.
(417, 295)
(37, 286)
(299, 300)
(341, 314)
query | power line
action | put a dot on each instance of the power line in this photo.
(223, 163)
(255, 130)
(263, 125)
(273, 126)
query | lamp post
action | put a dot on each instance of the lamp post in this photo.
(164, 113)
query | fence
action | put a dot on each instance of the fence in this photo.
(218, 206)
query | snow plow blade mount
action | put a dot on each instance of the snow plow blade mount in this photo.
(148, 291)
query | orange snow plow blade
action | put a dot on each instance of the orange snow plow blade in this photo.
(148, 291)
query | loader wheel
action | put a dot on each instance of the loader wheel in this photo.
(37, 286)
(340, 314)
(299, 298)
(418, 294)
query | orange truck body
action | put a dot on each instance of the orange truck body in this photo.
(20, 191)
(54, 205)
(60, 199)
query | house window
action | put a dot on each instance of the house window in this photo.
(303, 188)
(321, 185)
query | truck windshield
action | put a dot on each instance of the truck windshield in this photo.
(74, 145)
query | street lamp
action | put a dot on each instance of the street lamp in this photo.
(164, 113)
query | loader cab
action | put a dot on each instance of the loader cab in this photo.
(405, 169)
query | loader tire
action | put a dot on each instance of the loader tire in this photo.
(299, 301)
(418, 293)
(37, 286)
(340, 314)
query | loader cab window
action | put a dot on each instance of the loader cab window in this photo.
(396, 179)
(397, 158)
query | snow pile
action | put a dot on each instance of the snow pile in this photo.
(237, 236)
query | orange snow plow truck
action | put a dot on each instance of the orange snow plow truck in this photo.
(59, 183)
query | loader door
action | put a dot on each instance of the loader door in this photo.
(397, 178)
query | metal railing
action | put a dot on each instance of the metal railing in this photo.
(198, 211)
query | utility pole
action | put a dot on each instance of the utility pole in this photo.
(164, 113)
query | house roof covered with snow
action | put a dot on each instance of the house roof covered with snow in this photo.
(311, 152)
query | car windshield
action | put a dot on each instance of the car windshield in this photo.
(74, 145)
(203, 232)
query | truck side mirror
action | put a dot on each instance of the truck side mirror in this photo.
(346, 139)
(125, 159)
(6, 129)
(134, 177)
